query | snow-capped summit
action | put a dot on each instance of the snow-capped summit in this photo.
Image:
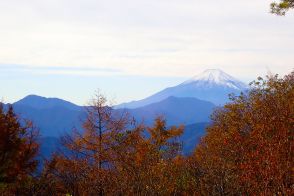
(212, 85)
(212, 77)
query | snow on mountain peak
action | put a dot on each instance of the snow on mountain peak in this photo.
(216, 77)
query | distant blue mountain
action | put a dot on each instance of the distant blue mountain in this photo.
(192, 136)
(49, 145)
(212, 85)
(190, 139)
(176, 110)
(38, 102)
(54, 117)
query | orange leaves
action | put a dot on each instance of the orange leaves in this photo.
(248, 150)
(248, 143)
(18, 149)
(108, 158)
(147, 161)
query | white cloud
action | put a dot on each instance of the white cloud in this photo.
(140, 37)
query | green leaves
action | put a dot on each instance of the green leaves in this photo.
(282, 7)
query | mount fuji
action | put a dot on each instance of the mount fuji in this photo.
(212, 85)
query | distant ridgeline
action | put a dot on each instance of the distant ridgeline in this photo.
(190, 103)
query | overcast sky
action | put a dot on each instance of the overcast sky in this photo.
(133, 48)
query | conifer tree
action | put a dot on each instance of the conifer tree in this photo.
(85, 167)
(18, 148)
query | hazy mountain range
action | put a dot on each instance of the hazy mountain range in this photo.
(189, 103)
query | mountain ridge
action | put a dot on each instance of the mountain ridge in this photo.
(58, 119)
(40, 102)
(176, 110)
(212, 85)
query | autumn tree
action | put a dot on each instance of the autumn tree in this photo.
(18, 149)
(282, 7)
(85, 167)
(148, 162)
(249, 146)
(114, 155)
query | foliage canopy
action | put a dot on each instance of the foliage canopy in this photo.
(282, 7)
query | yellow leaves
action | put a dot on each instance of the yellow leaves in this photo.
(160, 135)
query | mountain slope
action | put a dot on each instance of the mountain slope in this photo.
(212, 85)
(53, 121)
(56, 119)
(176, 110)
(39, 102)
(192, 136)
(53, 116)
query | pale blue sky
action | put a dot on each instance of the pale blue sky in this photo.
(133, 48)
